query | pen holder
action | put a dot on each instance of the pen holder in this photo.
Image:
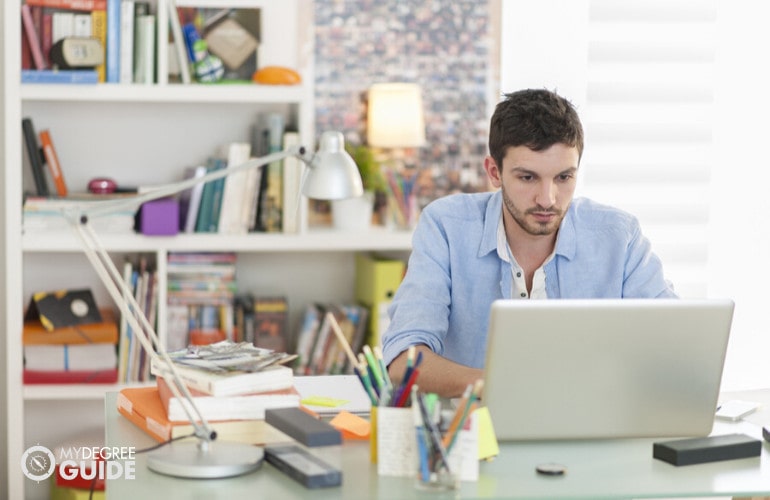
(393, 443)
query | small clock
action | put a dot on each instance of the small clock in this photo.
(77, 53)
(38, 463)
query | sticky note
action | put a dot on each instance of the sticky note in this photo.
(351, 426)
(488, 447)
(324, 401)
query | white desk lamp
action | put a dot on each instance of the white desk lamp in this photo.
(331, 174)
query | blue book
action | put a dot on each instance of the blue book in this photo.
(112, 51)
(59, 76)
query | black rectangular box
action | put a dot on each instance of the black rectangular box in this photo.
(302, 427)
(707, 449)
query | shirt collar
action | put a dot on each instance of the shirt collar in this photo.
(566, 243)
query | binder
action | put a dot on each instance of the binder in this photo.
(377, 280)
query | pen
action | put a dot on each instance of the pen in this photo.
(422, 448)
(383, 367)
(364, 377)
(411, 365)
(375, 367)
(433, 432)
(402, 397)
(470, 407)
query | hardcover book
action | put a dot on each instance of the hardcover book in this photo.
(231, 383)
(82, 76)
(70, 376)
(70, 357)
(241, 407)
(33, 332)
(144, 408)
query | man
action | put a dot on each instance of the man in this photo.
(530, 239)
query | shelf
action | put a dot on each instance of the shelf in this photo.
(315, 240)
(171, 93)
(52, 392)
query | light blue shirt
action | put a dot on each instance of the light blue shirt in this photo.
(455, 273)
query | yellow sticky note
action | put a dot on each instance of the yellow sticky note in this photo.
(324, 401)
(488, 447)
(351, 426)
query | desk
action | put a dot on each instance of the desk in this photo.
(596, 469)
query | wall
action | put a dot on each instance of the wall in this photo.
(444, 45)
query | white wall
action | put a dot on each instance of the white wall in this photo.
(544, 44)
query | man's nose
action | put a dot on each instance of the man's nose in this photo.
(546, 195)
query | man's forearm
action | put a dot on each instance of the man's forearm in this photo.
(437, 374)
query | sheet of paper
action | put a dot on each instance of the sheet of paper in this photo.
(329, 394)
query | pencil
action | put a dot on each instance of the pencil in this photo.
(369, 356)
(383, 367)
(470, 407)
(341, 338)
(404, 395)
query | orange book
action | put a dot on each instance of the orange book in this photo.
(144, 408)
(105, 332)
(240, 407)
(52, 159)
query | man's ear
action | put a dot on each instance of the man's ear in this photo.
(492, 171)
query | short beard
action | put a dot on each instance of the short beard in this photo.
(535, 229)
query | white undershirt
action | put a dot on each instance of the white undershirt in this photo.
(519, 283)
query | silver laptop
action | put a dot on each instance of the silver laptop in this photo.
(605, 368)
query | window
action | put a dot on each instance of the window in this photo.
(671, 93)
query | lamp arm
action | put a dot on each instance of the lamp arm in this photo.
(110, 277)
(114, 205)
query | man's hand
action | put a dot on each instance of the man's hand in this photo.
(437, 374)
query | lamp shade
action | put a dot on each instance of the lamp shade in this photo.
(332, 173)
(395, 116)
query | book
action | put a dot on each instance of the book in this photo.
(208, 214)
(272, 204)
(271, 323)
(241, 407)
(85, 5)
(144, 53)
(34, 153)
(292, 179)
(126, 48)
(190, 200)
(52, 160)
(32, 37)
(70, 376)
(99, 31)
(230, 383)
(112, 49)
(306, 338)
(34, 333)
(80, 76)
(70, 357)
(231, 220)
(143, 407)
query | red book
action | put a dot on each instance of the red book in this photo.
(85, 5)
(70, 377)
(52, 160)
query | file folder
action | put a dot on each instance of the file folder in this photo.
(377, 280)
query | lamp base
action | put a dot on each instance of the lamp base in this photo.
(205, 460)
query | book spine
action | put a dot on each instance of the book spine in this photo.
(46, 36)
(113, 41)
(127, 41)
(144, 56)
(84, 5)
(32, 37)
(99, 31)
(35, 160)
(52, 159)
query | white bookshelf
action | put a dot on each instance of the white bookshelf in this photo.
(140, 134)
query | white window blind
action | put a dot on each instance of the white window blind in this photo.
(640, 73)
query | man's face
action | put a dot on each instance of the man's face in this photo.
(537, 187)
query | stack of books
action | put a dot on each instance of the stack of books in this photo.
(232, 401)
(201, 295)
(73, 354)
